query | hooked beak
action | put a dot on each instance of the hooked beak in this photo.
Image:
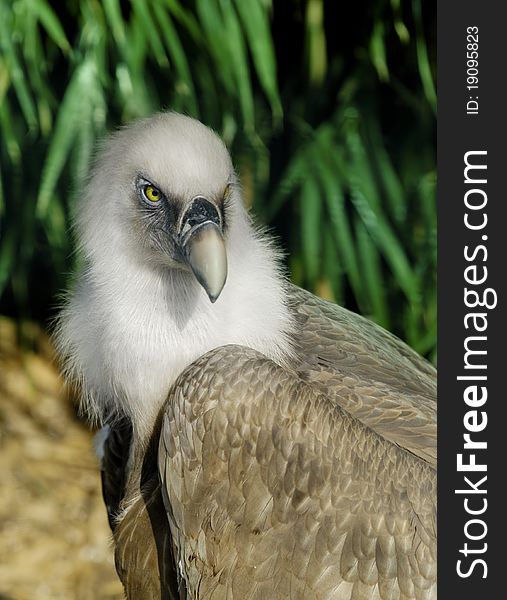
(203, 246)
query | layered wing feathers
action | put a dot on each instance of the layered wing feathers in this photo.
(274, 490)
(367, 371)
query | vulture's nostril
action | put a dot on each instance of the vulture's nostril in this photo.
(201, 210)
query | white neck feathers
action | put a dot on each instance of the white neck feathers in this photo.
(129, 329)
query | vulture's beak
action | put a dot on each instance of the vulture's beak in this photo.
(203, 246)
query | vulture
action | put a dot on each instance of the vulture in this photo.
(257, 442)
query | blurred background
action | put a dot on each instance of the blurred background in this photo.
(329, 112)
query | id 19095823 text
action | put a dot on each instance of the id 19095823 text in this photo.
(472, 63)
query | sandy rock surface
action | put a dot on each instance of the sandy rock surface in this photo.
(54, 538)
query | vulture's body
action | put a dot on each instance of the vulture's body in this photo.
(266, 444)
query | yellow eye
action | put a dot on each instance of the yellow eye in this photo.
(151, 193)
(227, 191)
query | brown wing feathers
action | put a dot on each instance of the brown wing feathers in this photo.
(275, 490)
(369, 372)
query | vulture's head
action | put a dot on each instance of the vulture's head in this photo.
(162, 191)
(163, 231)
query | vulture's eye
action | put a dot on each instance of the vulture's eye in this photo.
(151, 193)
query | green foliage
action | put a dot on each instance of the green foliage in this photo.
(329, 115)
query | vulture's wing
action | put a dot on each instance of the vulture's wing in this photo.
(113, 469)
(143, 545)
(274, 491)
(144, 550)
(367, 371)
